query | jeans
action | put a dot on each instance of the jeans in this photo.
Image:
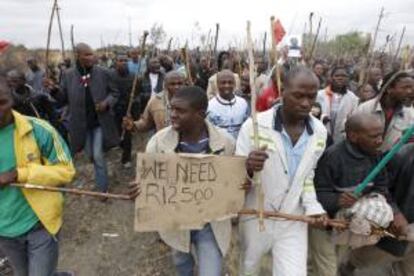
(94, 151)
(34, 253)
(208, 255)
(126, 143)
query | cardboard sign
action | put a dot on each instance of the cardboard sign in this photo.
(186, 191)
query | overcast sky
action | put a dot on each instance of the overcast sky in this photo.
(26, 21)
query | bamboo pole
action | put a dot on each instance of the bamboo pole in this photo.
(71, 191)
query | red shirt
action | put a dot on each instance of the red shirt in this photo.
(267, 98)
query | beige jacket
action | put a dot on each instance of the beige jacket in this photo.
(212, 85)
(155, 113)
(402, 120)
(166, 141)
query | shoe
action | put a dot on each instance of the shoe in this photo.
(64, 273)
(127, 165)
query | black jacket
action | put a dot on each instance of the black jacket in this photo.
(145, 90)
(341, 168)
(401, 170)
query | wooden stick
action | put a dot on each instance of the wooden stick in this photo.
(135, 82)
(253, 94)
(71, 191)
(273, 60)
(274, 55)
(49, 32)
(62, 43)
(310, 32)
(312, 49)
(371, 59)
(397, 52)
(216, 39)
(264, 44)
(184, 55)
(72, 41)
(169, 45)
(267, 214)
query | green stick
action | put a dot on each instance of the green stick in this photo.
(360, 188)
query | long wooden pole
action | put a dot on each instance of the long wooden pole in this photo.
(49, 33)
(135, 82)
(257, 175)
(334, 223)
(370, 59)
(216, 40)
(274, 55)
(184, 54)
(312, 49)
(71, 191)
(306, 219)
(264, 44)
(62, 43)
(72, 40)
(273, 60)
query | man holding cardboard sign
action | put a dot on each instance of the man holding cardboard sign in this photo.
(190, 192)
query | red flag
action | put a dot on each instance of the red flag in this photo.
(278, 31)
(3, 46)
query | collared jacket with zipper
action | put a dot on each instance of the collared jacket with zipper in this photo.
(42, 158)
(220, 143)
(298, 197)
(347, 105)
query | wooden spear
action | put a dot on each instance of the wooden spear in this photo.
(49, 32)
(71, 191)
(62, 43)
(253, 94)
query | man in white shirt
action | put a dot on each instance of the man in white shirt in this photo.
(226, 110)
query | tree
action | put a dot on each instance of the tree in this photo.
(157, 34)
